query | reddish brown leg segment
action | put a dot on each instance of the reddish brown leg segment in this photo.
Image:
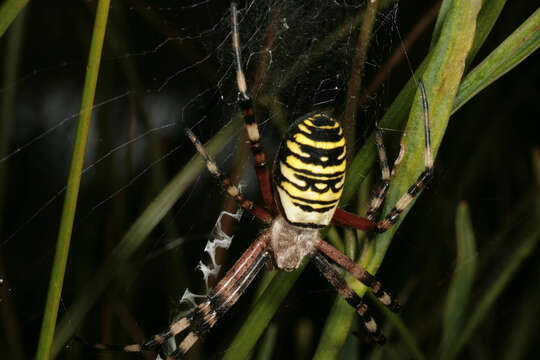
(226, 293)
(359, 273)
(227, 185)
(205, 316)
(346, 219)
(337, 281)
(246, 106)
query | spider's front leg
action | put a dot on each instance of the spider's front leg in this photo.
(246, 106)
(344, 218)
(424, 178)
(226, 183)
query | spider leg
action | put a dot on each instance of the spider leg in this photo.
(344, 218)
(347, 219)
(226, 293)
(422, 180)
(246, 106)
(339, 283)
(359, 273)
(219, 301)
(378, 198)
(227, 185)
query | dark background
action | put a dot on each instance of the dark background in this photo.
(167, 65)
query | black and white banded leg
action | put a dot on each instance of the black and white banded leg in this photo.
(339, 283)
(226, 183)
(422, 180)
(252, 129)
(360, 274)
(205, 316)
(379, 195)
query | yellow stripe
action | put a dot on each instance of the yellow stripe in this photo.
(308, 195)
(304, 128)
(295, 148)
(315, 169)
(304, 140)
(313, 205)
(290, 175)
(308, 122)
(288, 172)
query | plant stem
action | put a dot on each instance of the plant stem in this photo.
(73, 184)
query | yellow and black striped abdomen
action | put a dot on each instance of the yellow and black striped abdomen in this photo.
(310, 170)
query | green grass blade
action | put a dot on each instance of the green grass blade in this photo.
(263, 310)
(339, 321)
(366, 157)
(268, 343)
(462, 282)
(441, 77)
(516, 48)
(135, 236)
(397, 113)
(441, 17)
(408, 338)
(74, 180)
(529, 234)
(10, 317)
(524, 328)
(8, 12)
(491, 9)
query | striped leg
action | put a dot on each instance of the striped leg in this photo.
(151, 344)
(337, 281)
(422, 180)
(246, 106)
(204, 317)
(227, 185)
(378, 198)
(359, 273)
(386, 175)
(226, 293)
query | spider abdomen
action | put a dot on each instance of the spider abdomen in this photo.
(310, 170)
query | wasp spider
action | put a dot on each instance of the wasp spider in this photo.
(308, 178)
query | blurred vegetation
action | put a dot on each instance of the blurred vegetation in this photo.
(464, 262)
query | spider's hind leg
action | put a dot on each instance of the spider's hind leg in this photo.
(226, 293)
(360, 274)
(153, 344)
(339, 283)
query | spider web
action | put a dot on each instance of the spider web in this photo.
(167, 65)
